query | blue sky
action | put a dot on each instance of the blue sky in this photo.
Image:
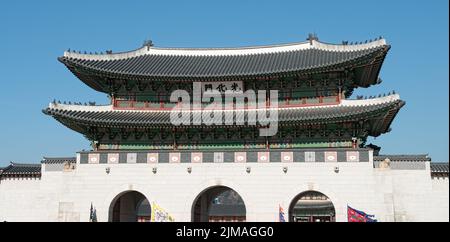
(34, 33)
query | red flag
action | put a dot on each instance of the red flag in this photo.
(354, 215)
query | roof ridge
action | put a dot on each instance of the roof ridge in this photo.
(17, 164)
(236, 51)
(59, 158)
(403, 155)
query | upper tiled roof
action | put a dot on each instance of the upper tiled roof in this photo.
(151, 63)
(22, 169)
(383, 108)
(58, 160)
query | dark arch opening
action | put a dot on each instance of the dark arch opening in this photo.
(130, 206)
(218, 204)
(312, 206)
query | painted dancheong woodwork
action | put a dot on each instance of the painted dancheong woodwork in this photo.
(315, 81)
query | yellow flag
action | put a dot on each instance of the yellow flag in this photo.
(159, 214)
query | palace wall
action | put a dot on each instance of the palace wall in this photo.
(390, 194)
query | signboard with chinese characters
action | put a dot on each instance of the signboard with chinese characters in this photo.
(222, 87)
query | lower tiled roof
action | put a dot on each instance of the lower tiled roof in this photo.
(383, 110)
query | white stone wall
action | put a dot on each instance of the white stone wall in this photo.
(392, 195)
(21, 200)
(439, 200)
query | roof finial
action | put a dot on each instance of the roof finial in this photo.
(311, 37)
(148, 43)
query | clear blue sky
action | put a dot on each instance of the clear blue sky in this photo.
(34, 33)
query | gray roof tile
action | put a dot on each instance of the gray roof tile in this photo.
(58, 160)
(165, 64)
(22, 169)
(437, 167)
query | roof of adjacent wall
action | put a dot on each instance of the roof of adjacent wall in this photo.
(22, 169)
(394, 158)
(438, 167)
(58, 160)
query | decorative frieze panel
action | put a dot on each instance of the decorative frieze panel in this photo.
(287, 157)
(152, 158)
(352, 156)
(197, 157)
(94, 158)
(240, 157)
(258, 156)
(113, 158)
(331, 156)
(310, 156)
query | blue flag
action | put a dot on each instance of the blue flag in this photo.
(281, 214)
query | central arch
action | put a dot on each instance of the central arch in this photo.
(312, 206)
(130, 206)
(218, 204)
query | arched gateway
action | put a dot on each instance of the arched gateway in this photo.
(312, 206)
(219, 204)
(130, 206)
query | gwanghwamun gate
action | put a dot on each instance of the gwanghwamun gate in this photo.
(291, 145)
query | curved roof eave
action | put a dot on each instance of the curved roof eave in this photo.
(179, 64)
(106, 116)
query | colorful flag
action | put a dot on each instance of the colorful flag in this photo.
(281, 214)
(354, 215)
(159, 214)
